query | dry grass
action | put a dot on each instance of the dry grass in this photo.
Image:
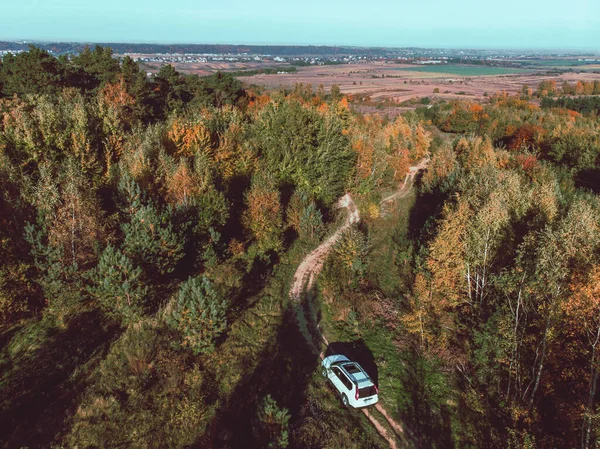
(366, 79)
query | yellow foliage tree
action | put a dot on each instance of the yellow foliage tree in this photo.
(189, 137)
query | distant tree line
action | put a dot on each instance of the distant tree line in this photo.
(275, 50)
(38, 72)
(583, 105)
(265, 71)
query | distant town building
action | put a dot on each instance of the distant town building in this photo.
(430, 61)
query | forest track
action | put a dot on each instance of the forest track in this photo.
(408, 183)
(304, 281)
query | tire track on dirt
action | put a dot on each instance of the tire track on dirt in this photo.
(305, 278)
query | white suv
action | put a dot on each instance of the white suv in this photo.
(350, 380)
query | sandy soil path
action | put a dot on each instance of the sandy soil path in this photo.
(306, 275)
(408, 182)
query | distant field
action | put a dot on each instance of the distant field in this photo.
(463, 70)
(558, 63)
(397, 83)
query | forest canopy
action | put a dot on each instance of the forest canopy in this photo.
(151, 228)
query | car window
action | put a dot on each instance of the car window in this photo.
(342, 377)
(367, 392)
(337, 372)
(352, 368)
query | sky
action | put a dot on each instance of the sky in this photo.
(525, 24)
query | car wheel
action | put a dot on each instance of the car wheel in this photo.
(345, 400)
(324, 372)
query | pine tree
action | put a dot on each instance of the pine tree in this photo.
(150, 239)
(57, 275)
(272, 422)
(31, 72)
(303, 148)
(118, 286)
(198, 313)
(311, 223)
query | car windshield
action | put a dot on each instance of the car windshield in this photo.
(367, 392)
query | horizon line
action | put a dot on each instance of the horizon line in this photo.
(451, 47)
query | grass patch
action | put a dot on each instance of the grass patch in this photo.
(44, 370)
(391, 249)
(364, 323)
(389, 275)
(324, 423)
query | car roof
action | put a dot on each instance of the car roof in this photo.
(355, 372)
(351, 369)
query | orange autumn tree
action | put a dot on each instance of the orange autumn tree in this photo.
(115, 109)
(527, 136)
(446, 261)
(406, 143)
(369, 147)
(475, 153)
(189, 136)
(363, 147)
(233, 156)
(182, 185)
(384, 152)
(478, 116)
(422, 140)
(257, 101)
(69, 211)
(439, 288)
(263, 216)
(48, 128)
(399, 162)
(421, 318)
(546, 88)
(440, 168)
(80, 121)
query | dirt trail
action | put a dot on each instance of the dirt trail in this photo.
(408, 182)
(307, 273)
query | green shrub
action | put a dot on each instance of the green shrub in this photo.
(150, 240)
(117, 284)
(271, 428)
(346, 265)
(311, 223)
(198, 314)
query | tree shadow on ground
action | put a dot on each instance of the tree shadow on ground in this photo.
(252, 282)
(40, 388)
(236, 190)
(356, 350)
(284, 371)
(7, 332)
(588, 179)
(425, 212)
(359, 352)
(424, 404)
